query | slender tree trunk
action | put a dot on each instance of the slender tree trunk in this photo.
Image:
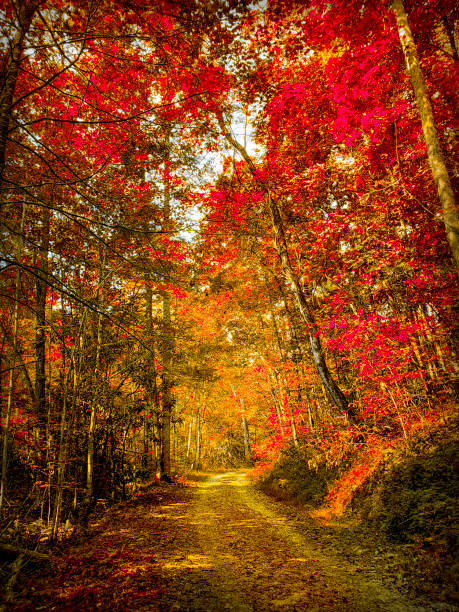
(25, 11)
(273, 381)
(6, 425)
(151, 383)
(188, 445)
(167, 354)
(95, 399)
(66, 419)
(310, 414)
(245, 429)
(167, 400)
(62, 456)
(277, 410)
(434, 152)
(450, 33)
(287, 389)
(291, 415)
(154, 426)
(41, 288)
(197, 456)
(246, 436)
(318, 356)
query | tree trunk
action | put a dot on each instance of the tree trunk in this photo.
(62, 456)
(450, 33)
(167, 352)
(41, 288)
(245, 434)
(291, 415)
(147, 463)
(25, 11)
(434, 152)
(95, 399)
(287, 389)
(318, 356)
(166, 395)
(188, 444)
(6, 425)
(197, 456)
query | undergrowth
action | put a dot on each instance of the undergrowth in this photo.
(298, 475)
(404, 493)
(413, 499)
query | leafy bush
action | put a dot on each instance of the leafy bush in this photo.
(300, 476)
(416, 500)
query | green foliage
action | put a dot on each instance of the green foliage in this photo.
(298, 475)
(412, 500)
(417, 498)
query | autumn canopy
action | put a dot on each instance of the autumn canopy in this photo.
(227, 228)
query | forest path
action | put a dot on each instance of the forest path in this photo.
(220, 545)
(242, 553)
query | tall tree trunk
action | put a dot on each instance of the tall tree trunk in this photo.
(287, 389)
(291, 414)
(6, 425)
(25, 11)
(167, 353)
(95, 399)
(274, 383)
(41, 288)
(197, 456)
(434, 152)
(147, 463)
(318, 355)
(246, 437)
(188, 444)
(62, 455)
(154, 426)
(245, 429)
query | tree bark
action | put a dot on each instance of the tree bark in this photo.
(147, 463)
(41, 288)
(450, 33)
(245, 434)
(95, 399)
(434, 152)
(167, 354)
(318, 356)
(25, 12)
(197, 456)
(287, 389)
(167, 400)
(188, 444)
(6, 426)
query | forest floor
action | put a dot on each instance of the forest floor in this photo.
(216, 545)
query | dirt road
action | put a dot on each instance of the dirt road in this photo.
(236, 551)
(218, 546)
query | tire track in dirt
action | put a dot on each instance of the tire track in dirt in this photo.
(242, 554)
(220, 545)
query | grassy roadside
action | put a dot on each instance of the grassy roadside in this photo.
(405, 502)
